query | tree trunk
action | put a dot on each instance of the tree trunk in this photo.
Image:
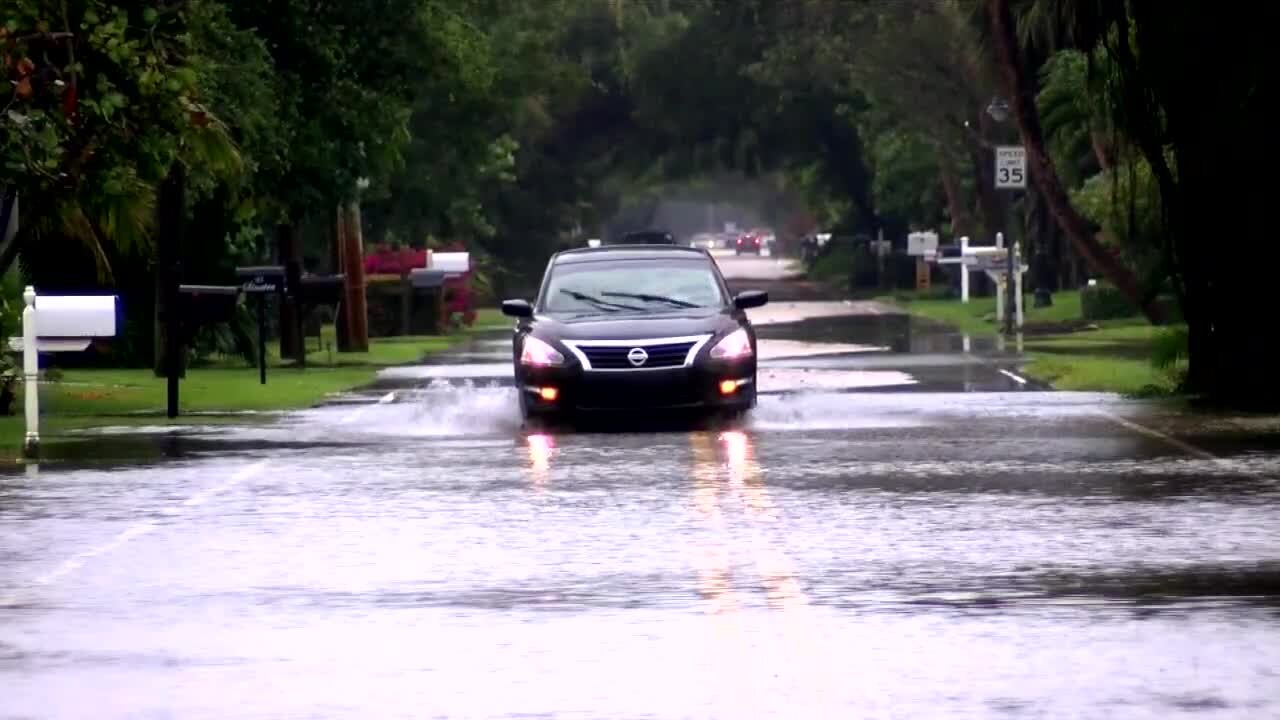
(289, 254)
(984, 181)
(8, 220)
(1021, 90)
(961, 220)
(1039, 230)
(1101, 150)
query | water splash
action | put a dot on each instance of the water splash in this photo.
(826, 411)
(441, 408)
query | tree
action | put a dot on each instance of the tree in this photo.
(103, 101)
(1021, 89)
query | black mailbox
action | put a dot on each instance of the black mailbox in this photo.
(202, 305)
(194, 307)
(424, 279)
(321, 289)
(263, 279)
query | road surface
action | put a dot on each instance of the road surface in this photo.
(891, 534)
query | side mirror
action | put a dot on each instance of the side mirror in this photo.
(748, 299)
(517, 308)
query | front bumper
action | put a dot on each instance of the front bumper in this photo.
(693, 388)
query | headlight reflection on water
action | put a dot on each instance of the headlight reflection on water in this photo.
(541, 448)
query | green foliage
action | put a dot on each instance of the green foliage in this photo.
(835, 265)
(1170, 348)
(906, 183)
(104, 100)
(1104, 302)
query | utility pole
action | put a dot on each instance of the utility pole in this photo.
(353, 280)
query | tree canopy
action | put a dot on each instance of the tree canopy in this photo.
(517, 126)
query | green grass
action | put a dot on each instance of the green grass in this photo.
(92, 397)
(977, 317)
(1100, 373)
(1062, 350)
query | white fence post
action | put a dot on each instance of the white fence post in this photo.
(1016, 271)
(964, 270)
(31, 372)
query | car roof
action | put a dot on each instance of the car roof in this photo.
(629, 252)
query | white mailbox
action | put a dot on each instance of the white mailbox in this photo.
(450, 262)
(57, 323)
(72, 316)
(986, 258)
(922, 244)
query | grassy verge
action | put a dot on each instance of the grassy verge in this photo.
(978, 316)
(226, 386)
(1062, 349)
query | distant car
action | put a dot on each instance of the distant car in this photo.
(634, 330)
(747, 243)
(706, 241)
(647, 237)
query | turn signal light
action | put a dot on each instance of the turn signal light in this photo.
(548, 393)
(728, 387)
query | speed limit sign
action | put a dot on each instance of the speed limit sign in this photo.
(1011, 167)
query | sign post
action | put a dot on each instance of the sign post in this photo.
(1011, 174)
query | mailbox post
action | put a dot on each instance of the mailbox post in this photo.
(311, 292)
(31, 373)
(198, 305)
(433, 280)
(260, 281)
(53, 323)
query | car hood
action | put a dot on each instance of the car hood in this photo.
(629, 326)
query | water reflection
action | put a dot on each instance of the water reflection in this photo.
(727, 474)
(541, 448)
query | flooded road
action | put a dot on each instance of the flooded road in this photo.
(877, 543)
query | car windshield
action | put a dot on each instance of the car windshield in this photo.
(632, 286)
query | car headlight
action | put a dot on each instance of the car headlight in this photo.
(736, 344)
(538, 353)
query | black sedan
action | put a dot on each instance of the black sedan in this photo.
(631, 330)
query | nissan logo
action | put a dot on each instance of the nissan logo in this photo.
(637, 357)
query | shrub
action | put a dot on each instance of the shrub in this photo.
(1105, 302)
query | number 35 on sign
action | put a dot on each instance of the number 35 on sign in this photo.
(1011, 166)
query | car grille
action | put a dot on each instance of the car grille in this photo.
(604, 391)
(614, 357)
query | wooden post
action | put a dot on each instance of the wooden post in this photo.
(341, 321)
(406, 302)
(353, 281)
(922, 274)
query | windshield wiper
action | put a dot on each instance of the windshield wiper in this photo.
(602, 304)
(653, 298)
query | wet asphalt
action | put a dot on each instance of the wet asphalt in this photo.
(902, 529)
